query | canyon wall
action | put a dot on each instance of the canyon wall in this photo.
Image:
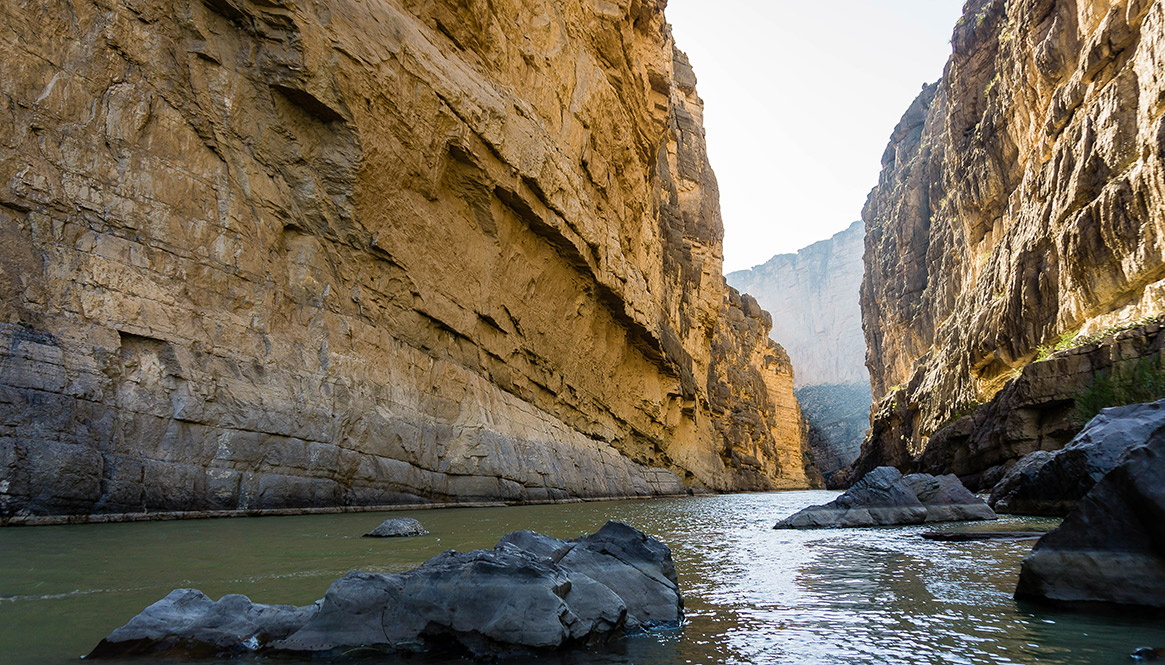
(813, 296)
(283, 254)
(1021, 207)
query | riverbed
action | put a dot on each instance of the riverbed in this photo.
(752, 594)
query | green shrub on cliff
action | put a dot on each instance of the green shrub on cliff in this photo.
(1143, 382)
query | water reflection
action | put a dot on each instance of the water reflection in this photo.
(753, 595)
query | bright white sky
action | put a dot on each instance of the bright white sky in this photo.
(800, 97)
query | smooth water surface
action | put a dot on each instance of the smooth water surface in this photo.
(752, 594)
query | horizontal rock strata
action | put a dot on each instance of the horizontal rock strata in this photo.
(279, 254)
(1021, 203)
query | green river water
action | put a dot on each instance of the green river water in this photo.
(752, 594)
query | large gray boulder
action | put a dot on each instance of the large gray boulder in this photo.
(1111, 547)
(1051, 483)
(530, 592)
(397, 527)
(884, 497)
(947, 499)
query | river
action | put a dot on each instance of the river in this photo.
(752, 594)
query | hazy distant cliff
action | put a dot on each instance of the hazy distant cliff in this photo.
(1021, 206)
(813, 296)
(287, 254)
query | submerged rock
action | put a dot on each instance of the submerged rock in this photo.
(884, 497)
(396, 527)
(1051, 483)
(530, 592)
(973, 536)
(1111, 547)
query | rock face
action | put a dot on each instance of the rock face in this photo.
(838, 417)
(1037, 411)
(750, 387)
(1021, 202)
(397, 527)
(884, 497)
(282, 254)
(1051, 483)
(1111, 547)
(814, 297)
(529, 592)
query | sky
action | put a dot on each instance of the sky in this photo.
(799, 104)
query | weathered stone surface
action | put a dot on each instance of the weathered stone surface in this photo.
(528, 592)
(397, 527)
(946, 499)
(1022, 199)
(1111, 547)
(1033, 412)
(266, 255)
(813, 296)
(750, 388)
(1050, 483)
(879, 499)
(884, 497)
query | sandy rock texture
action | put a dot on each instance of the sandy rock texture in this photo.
(1022, 200)
(291, 253)
(813, 296)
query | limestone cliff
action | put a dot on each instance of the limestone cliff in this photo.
(289, 253)
(813, 296)
(1021, 204)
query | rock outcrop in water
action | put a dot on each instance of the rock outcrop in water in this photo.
(884, 497)
(813, 295)
(1021, 204)
(273, 255)
(529, 592)
(1111, 547)
(396, 528)
(1051, 483)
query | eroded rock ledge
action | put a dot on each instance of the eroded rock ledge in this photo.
(281, 254)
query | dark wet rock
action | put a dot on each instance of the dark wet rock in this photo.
(972, 536)
(884, 497)
(1148, 654)
(1111, 547)
(398, 526)
(946, 499)
(530, 592)
(187, 621)
(1051, 483)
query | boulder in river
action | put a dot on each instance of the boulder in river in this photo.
(397, 527)
(530, 592)
(1111, 547)
(884, 497)
(1051, 483)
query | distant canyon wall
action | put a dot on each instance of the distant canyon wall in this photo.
(287, 254)
(813, 296)
(1021, 207)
